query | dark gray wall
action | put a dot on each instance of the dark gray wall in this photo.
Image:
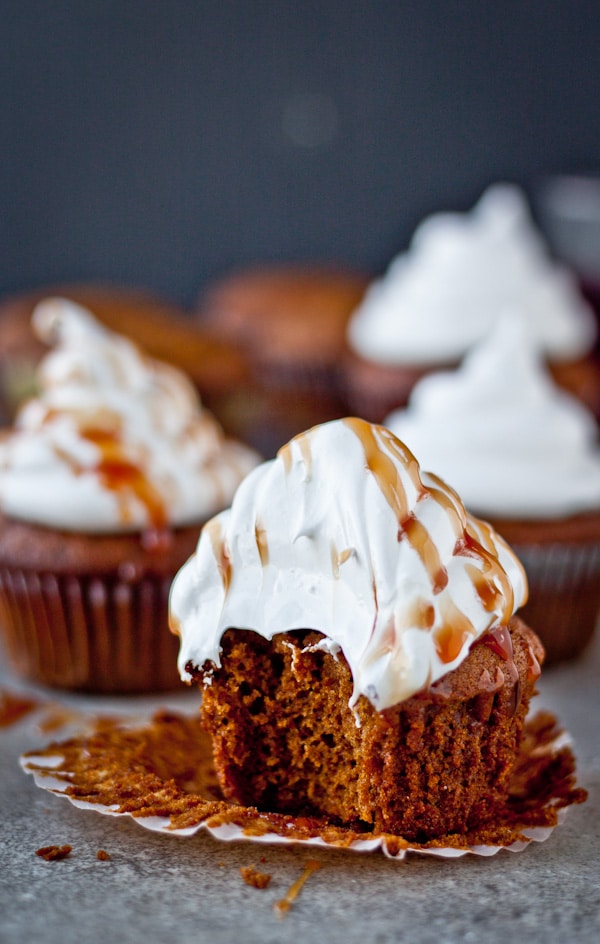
(162, 142)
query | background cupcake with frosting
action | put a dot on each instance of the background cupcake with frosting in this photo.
(523, 454)
(105, 481)
(461, 273)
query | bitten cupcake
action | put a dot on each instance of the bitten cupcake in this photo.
(524, 454)
(353, 630)
(105, 480)
(461, 274)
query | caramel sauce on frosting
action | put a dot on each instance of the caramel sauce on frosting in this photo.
(113, 441)
(345, 534)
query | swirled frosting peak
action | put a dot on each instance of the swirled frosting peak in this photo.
(501, 432)
(461, 273)
(343, 533)
(114, 441)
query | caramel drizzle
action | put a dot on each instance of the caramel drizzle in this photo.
(285, 454)
(491, 583)
(492, 570)
(382, 467)
(454, 632)
(213, 529)
(119, 475)
(338, 558)
(284, 904)
(262, 544)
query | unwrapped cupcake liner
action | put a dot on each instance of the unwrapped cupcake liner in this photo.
(564, 595)
(165, 798)
(89, 633)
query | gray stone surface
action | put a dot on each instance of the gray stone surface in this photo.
(157, 888)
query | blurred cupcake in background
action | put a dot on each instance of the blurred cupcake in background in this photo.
(160, 326)
(569, 211)
(105, 481)
(524, 455)
(461, 274)
(290, 320)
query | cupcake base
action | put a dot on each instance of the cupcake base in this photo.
(89, 613)
(284, 738)
(562, 562)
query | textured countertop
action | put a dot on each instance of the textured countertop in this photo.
(157, 888)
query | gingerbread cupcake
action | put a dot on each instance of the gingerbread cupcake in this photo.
(461, 274)
(105, 480)
(524, 454)
(353, 630)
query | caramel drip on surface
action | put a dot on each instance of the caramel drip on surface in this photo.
(389, 481)
(492, 569)
(338, 558)
(306, 452)
(499, 640)
(120, 475)
(284, 904)
(420, 539)
(285, 454)
(381, 466)
(260, 536)
(222, 557)
(456, 630)
(452, 506)
(486, 590)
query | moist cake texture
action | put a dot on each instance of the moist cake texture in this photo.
(353, 630)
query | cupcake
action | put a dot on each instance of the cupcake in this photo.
(524, 454)
(105, 481)
(462, 273)
(291, 322)
(353, 631)
(161, 327)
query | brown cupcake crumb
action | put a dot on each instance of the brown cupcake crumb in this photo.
(252, 876)
(53, 853)
(102, 855)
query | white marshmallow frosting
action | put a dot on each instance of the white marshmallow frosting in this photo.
(114, 441)
(503, 434)
(462, 272)
(342, 533)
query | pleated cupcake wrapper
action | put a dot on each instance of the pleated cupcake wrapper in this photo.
(42, 768)
(564, 595)
(89, 633)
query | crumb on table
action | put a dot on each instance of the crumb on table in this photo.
(53, 853)
(252, 876)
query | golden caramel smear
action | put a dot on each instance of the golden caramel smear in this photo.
(282, 906)
(164, 768)
(254, 877)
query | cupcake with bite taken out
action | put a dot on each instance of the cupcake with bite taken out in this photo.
(523, 454)
(105, 480)
(353, 631)
(460, 275)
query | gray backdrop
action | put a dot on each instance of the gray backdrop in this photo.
(160, 143)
